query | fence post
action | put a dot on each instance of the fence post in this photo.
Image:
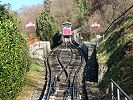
(118, 94)
(112, 89)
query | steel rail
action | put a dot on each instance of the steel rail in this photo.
(72, 88)
(69, 77)
(74, 78)
(117, 19)
(47, 91)
(64, 67)
(48, 88)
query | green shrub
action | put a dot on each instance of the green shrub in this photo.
(14, 60)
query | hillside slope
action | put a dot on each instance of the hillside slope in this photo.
(116, 52)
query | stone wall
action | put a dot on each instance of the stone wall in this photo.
(39, 49)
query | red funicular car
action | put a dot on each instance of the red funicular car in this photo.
(67, 29)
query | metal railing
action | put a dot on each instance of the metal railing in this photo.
(112, 23)
(118, 91)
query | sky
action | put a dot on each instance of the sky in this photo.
(17, 4)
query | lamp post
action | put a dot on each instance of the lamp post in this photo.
(30, 27)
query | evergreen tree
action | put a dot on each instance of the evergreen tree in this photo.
(46, 27)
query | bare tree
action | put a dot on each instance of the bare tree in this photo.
(65, 10)
(29, 14)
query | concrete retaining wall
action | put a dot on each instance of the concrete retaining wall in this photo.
(39, 49)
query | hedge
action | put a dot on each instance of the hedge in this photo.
(14, 60)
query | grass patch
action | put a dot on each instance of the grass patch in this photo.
(116, 52)
(93, 40)
(34, 79)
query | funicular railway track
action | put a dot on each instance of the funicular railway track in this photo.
(64, 64)
(74, 68)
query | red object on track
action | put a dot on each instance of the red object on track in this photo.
(67, 31)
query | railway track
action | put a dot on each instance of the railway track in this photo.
(64, 66)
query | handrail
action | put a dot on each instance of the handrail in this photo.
(117, 19)
(119, 90)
